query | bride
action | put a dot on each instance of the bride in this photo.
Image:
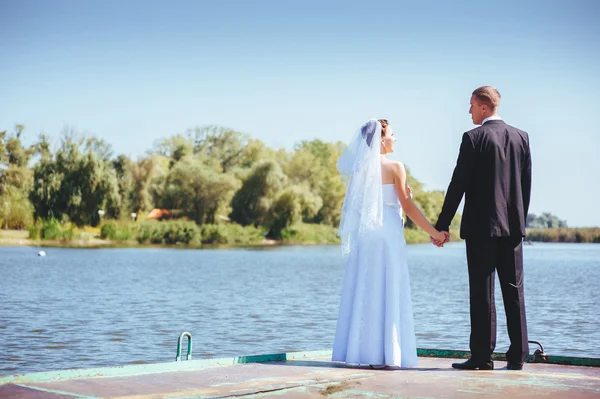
(375, 322)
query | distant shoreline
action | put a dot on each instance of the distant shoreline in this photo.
(565, 234)
(21, 238)
(93, 243)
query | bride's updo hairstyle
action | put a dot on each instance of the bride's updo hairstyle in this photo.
(368, 130)
(384, 125)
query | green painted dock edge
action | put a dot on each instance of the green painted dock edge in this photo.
(141, 369)
(191, 365)
(563, 360)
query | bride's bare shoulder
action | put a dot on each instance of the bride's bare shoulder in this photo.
(396, 166)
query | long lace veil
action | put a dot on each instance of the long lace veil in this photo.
(360, 168)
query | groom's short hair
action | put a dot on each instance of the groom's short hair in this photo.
(488, 95)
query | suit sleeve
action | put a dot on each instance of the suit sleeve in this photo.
(458, 184)
(526, 182)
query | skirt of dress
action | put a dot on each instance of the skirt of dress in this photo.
(375, 323)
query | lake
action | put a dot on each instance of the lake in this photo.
(101, 307)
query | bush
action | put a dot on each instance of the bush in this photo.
(118, 231)
(67, 231)
(181, 232)
(51, 229)
(108, 231)
(16, 211)
(34, 231)
(171, 232)
(150, 232)
(213, 234)
(310, 233)
(231, 234)
(325, 234)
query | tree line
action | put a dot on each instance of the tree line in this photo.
(544, 221)
(208, 174)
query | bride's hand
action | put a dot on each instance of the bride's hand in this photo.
(440, 238)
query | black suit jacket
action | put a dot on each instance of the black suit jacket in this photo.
(493, 170)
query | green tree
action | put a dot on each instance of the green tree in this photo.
(2, 149)
(197, 190)
(16, 179)
(14, 159)
(16, 153)
(252, 202)
(544, 221)
(293, 204)
(313, 164)
(157, 178)
(123, 167)
(145, 172)
(16, 212)
(77, 182)
(284, 211)
(42, 146)
(174, 148)
(136, 182)
(226, 149)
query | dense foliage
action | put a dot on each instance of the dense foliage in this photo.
(208, 178)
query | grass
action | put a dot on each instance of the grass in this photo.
(566, 234)
(183, 234)
(230, 235)
(14, 234)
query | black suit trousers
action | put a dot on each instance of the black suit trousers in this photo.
(485, 256)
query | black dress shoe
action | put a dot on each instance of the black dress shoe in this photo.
(473, 365)
(514, 366)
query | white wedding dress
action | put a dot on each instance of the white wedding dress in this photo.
(375, 323)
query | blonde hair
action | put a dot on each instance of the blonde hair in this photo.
(489, 96)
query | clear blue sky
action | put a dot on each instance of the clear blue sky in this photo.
(132, 72)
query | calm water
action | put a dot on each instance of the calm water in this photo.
(99, 307)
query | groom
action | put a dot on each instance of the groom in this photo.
(494, 172)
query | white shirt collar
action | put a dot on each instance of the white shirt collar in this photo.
(491, 118)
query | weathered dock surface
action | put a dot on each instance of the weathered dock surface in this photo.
(303, 375)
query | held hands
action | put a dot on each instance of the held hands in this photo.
(440, 238)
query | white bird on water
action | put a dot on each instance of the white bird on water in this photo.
(41, 253)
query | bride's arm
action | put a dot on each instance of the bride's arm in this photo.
(413, 212)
